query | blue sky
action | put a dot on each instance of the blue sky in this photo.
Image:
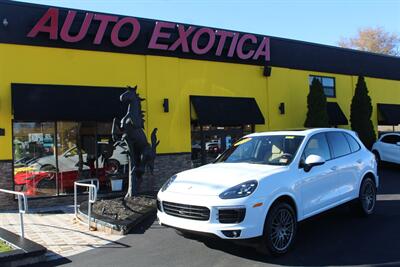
(319, 21)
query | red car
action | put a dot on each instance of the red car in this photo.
(44, 182)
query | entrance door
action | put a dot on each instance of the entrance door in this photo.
(210, 141)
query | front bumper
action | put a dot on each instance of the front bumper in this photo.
(252, 225)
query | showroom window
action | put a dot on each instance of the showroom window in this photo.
(328, 83)
(50, 156)
(34, 158)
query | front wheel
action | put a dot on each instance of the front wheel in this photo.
(367, 197)
(279, 229)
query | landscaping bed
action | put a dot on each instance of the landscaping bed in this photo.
(18, 251)
(119, 215)
(4, 247)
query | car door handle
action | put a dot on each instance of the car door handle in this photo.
(359, 161)
(334, 168)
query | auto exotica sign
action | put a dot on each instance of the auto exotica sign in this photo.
(125, 32)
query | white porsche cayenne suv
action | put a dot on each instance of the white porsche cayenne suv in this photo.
(267, 182)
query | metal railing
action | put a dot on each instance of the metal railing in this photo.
(22, 206)
(92, 197)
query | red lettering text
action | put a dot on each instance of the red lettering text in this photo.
(104, 21)
(51, 17)
(263, 50)
(239, 48)
(233, 44)
(158, 34)
(222, 40)
(135, 32)
(182, 40)
(195, 41)
(67, 26)
(125, 31)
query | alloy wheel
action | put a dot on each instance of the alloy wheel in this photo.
(282, 230)
(369, 197)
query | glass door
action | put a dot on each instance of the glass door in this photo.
(208, 142)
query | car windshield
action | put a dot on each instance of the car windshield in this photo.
(270, 150)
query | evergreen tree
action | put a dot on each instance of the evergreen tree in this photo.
(360, 115)
(317, 115)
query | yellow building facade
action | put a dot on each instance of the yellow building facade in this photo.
(169, 63)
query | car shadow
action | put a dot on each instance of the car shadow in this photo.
(57, 262)
(338, 237)
(144, 225)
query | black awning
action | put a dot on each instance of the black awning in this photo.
(34, 102)
(226, 111)
(390, 114)
(336, 115)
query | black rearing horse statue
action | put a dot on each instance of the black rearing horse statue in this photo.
(131, 126)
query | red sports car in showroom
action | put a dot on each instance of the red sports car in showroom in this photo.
(44, 182)
(39, 176)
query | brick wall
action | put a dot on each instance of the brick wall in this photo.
(6, 200)
(165, 167)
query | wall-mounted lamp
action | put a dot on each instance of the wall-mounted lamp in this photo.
(282, 108)
(5, 22)
(2, 132)
(166, 105)
(267, 71)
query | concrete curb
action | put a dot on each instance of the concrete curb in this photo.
(26, 252)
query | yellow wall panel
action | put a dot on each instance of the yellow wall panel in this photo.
(40, 65)
(383, 92)
(175, 79)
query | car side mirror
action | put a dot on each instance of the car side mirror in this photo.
(312, 161)
(398, 143)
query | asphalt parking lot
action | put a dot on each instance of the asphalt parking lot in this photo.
(335, 238)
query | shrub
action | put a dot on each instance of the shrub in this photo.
(317, 115)
(360, 115)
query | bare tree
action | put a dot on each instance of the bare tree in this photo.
(375, 40)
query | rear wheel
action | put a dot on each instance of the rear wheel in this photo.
(367, 197)
(279, 229)
(47, 182)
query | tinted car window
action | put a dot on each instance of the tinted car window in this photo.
(390, 139)
(271, 150)
(317, 145)
(354, 145)
(339, 144)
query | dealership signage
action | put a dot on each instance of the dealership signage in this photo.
(127, 32)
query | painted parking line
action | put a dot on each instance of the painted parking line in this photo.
(388, 197)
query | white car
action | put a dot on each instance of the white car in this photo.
(387, 148)
(267, 182)
(68, 161)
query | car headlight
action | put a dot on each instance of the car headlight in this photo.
(168, 183)
(241, 190)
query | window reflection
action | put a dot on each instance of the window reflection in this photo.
(34, 158)
(84, 150)
(216, 140)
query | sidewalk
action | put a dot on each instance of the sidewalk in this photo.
(56, 230)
